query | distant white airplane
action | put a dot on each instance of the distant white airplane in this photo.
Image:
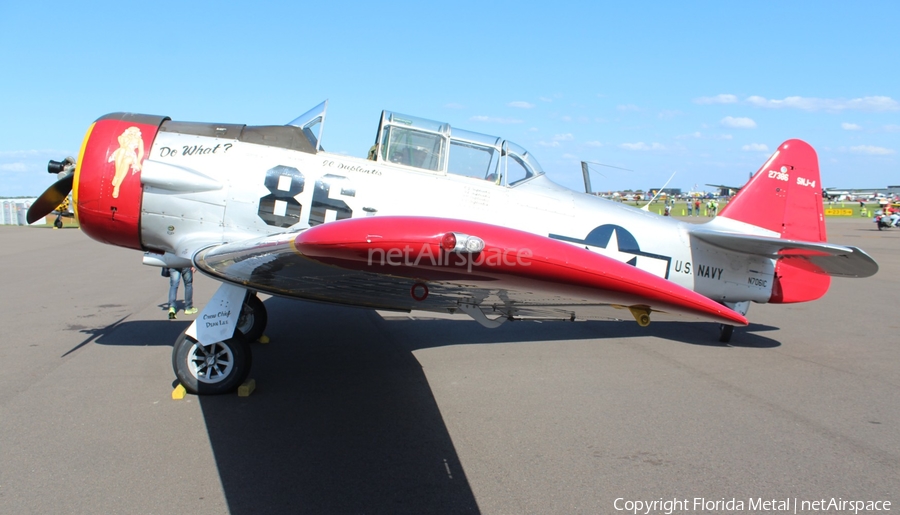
(834, 193)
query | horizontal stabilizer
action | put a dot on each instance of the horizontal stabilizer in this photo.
(826, 258)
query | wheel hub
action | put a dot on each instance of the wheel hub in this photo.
(210, 363)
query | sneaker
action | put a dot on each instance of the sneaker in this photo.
(190, 311)
(171, 313)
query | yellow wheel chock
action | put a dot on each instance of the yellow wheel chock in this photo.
(247, 388)
(178, 393)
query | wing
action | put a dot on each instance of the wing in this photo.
(826, 258)
(406, 263)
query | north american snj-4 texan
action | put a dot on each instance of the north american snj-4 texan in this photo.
(436, 219)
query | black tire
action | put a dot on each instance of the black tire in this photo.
(224, 376)
(253, 319)
(57, 223)
(725, 332)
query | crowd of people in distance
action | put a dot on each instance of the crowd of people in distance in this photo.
(693, 207)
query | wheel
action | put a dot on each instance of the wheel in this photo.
(725, 332)
(57, 223)
(253, 319)
(212, 369)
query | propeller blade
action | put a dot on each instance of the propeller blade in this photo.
(50, 199)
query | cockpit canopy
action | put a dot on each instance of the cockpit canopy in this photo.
(428, 145)
(434, 146)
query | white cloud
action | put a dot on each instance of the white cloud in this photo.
(738, 123)
(548, 143)
(545, 99)
(756, 147)
(875, 103)
(563, 137)
(533, 129)
(594, 144)
(31, 160)
(718, 99)
(13, 167)
(871, 150)
(493, 119)
(25, 154)
(640, 145)
(850, 127)
(521, 104)
(700, 135)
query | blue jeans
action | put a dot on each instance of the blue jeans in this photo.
(175, 275)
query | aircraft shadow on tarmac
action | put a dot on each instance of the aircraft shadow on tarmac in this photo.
(344, 420)
(441, 332)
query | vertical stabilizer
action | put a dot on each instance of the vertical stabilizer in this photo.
(785, 195)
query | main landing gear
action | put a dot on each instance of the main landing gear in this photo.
(220, 367)
(253, 319)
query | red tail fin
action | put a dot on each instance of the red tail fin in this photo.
(785, 195)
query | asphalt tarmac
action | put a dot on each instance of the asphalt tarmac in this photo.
(363, 412)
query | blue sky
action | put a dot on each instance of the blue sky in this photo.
(704, 90)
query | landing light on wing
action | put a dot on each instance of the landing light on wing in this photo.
(462, 243)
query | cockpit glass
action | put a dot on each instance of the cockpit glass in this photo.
(411, 147)
(526, 157)
(518, 164)
(516, 170)
(471, 159)
(429, 145)
(312, 123)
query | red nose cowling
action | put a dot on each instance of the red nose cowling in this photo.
(108, 179)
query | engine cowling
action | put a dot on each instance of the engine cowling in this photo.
(107, 190)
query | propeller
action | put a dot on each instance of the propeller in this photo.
(57, 192)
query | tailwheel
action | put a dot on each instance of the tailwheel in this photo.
(254, 318)
(213, 369)
(725, 332)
